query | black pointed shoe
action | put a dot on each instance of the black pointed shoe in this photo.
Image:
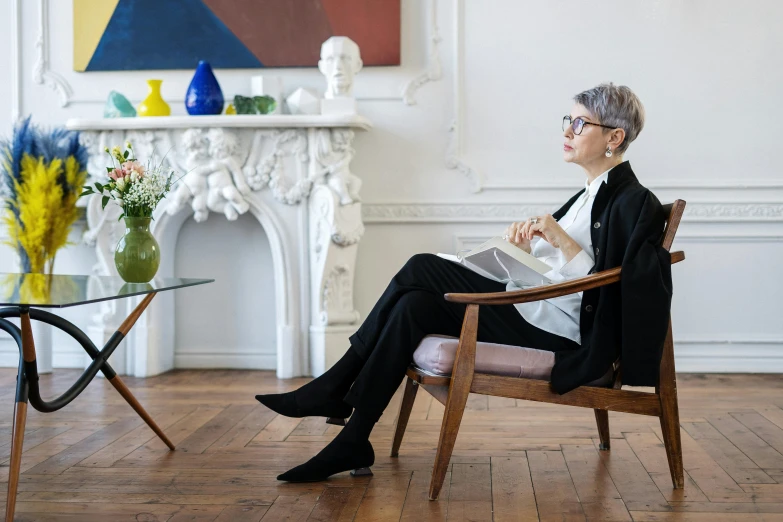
(335, 410)
(336, 457)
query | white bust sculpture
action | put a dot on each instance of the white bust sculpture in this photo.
(340, 61)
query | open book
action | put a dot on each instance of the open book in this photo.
(501, 261)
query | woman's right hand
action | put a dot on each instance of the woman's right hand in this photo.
(515, 234)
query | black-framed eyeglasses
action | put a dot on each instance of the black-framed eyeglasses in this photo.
(578, 124)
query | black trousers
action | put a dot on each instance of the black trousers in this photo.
(411, 307)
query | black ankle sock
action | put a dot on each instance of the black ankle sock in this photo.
(335, 382)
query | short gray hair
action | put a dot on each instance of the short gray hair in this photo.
(616, 106)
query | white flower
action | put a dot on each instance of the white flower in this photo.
(128, 145)
(134, 175)
(115, 150)
(127, 178)
(120, 183)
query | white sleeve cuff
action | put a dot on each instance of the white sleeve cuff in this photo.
(579, 266)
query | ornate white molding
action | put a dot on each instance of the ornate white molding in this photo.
(434, 71)
(42, 75)
(333, 257)
(266, 121)
(657, 183)
(734, 212)
(491, 212)
(454, 159)
(446, 212)
(16, 59)
(309, 181)
(224, 165)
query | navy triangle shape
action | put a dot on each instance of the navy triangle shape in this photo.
(170, 34)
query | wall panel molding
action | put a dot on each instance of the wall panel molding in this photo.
(455, 146)
(42, 73)
(434, 71)
(502, 212)
(16, 59)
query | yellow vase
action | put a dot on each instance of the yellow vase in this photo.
(153, 104)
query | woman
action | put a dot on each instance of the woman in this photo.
(614, 221)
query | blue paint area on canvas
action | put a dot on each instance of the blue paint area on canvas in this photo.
(170, 34)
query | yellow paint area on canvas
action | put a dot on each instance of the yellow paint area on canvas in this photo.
(90, 18)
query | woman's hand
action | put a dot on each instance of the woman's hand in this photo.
(547, 228)
(516, 236)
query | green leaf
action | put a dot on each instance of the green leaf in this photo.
(104, 201)
(121, 216)
(126, 154)
(109, 169)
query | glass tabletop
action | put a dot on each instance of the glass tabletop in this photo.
(60, 291)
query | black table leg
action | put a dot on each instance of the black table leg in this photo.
(27, 378)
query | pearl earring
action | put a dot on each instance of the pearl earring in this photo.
(608, 152)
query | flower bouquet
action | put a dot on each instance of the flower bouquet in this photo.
(137, 189)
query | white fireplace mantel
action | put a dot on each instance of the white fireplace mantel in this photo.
(292, 173)
(234, 121)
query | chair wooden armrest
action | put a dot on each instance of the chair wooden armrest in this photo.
(603, 278)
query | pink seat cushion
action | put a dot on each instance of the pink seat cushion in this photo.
(436, 354)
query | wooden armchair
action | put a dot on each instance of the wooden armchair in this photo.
(453, 390)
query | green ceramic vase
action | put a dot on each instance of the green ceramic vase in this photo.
(137, 256)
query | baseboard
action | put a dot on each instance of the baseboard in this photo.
(10, 359)
(745, 356)
(225, 361)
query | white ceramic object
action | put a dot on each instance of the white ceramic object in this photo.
(303, 101)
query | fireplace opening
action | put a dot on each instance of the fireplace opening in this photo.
(233, 322)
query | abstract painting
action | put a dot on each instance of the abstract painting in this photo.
(124, 35)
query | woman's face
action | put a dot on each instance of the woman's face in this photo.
(590, 145)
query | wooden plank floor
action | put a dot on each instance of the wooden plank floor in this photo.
(95, 460)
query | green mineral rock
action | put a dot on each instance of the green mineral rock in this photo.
(118, 106)
(254, 105)
(265, 104)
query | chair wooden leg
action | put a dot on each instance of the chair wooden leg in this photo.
(119, 385)
(602, 419)
(411, 387)
(670, 415)
(17, 443)
(459, 389)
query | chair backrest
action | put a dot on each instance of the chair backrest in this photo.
(673, 216)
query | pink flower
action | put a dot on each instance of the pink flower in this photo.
(117, 174)
(128, 166)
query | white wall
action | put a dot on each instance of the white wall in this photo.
(706, 71)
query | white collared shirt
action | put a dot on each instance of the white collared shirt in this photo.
(560, 315)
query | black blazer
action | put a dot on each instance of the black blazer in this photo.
(628, 319)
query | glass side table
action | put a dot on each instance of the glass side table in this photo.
(24, 296)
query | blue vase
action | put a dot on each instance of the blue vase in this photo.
(204, 95)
